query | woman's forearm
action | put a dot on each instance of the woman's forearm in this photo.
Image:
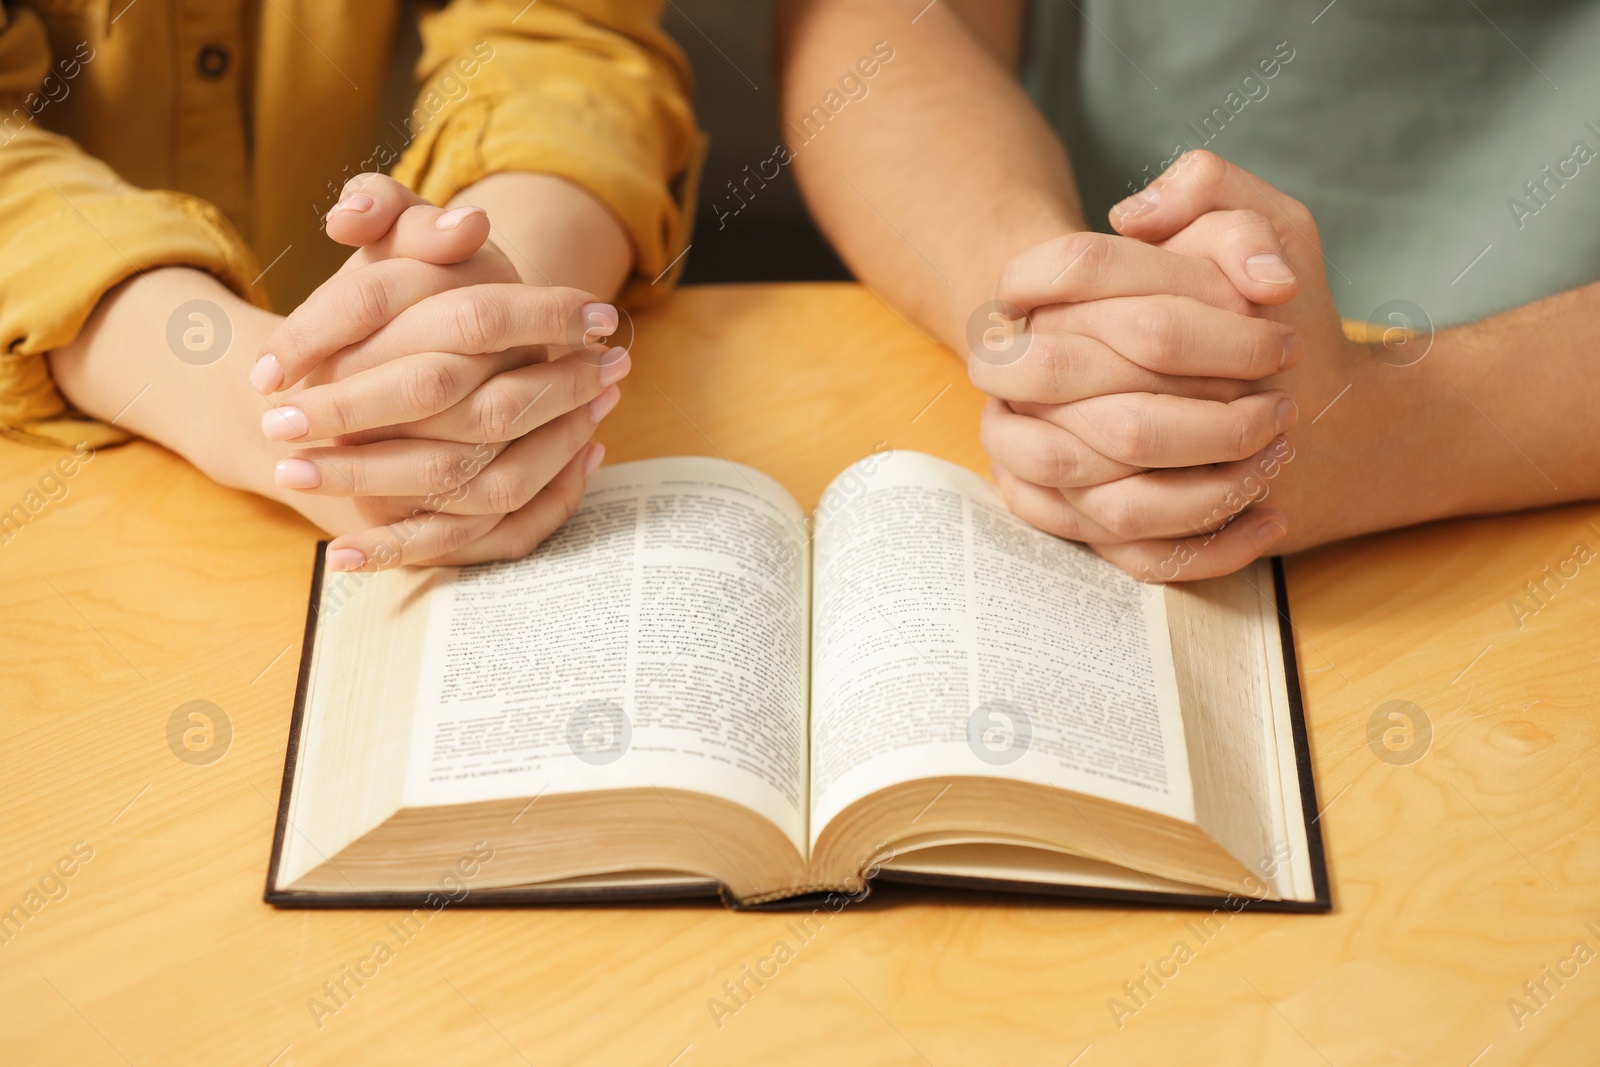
(166, 355)
(930, 181)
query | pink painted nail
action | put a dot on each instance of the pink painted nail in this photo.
(266, 375)
(599, 319)
(355, 203)
(297, 474)
(597, 452)
(615, 363)
(453, 218)
(346, 559)
(601, 405)
(284, 424)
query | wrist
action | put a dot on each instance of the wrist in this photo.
(1400, 418)
(1494, 447)
(553, 231)
(230, 447)
(166, 355)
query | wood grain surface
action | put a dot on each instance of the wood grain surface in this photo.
(1465, 859)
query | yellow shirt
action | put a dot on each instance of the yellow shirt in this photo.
(216, 134)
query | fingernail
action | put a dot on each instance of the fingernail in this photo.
(1291, 351)
(266, 375)
(1287, 411)
(598, 318)
(601, 405)
(356, 203)
(346, 559)
(452, 218)
(1270, 268)
(284, 424)
(615, 363)
(297, 474)
(1146, 199)
(597, 452)
(1270, 533)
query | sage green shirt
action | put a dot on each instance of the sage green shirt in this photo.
(1449, 149)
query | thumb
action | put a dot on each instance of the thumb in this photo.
(387, 220)
(1198, 183)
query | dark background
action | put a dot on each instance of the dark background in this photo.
(729, 45)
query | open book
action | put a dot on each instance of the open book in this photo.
(694, 687)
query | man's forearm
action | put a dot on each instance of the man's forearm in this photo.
(927, 184)
(554, 232)
(1524, 395)
(1491, 417)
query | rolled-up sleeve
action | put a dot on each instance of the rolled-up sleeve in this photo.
(588, 90)
(72, 230)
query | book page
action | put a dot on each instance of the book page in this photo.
(951, 638)
(658, 639)
(1228, 659)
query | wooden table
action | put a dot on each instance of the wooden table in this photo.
(1456, 878)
